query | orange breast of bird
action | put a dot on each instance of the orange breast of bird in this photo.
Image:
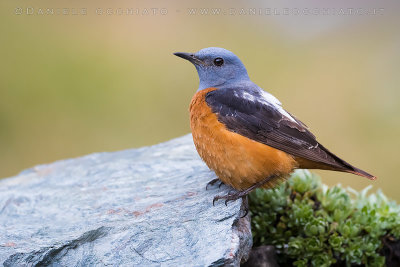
(237, 160)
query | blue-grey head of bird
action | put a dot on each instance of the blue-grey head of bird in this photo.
(217, 67)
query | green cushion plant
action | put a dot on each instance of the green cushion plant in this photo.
(313, 225)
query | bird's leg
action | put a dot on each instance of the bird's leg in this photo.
(243, 193)
(212, 182)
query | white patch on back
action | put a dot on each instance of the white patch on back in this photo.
(265, 98)
(248, 96)
(269, 99)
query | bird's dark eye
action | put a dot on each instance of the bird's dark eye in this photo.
(218, 61)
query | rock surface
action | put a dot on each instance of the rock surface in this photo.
(138, 207)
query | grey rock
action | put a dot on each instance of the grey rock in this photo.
(137, 207)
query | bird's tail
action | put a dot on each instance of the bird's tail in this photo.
(343, 166)
(362, 173)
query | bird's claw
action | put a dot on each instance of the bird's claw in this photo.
(246, 211)
(232, 197)
(212, 182)
(215, 199)
(229, 197)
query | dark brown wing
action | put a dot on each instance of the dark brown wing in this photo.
(248, 114)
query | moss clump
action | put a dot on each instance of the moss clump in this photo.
(313, 225)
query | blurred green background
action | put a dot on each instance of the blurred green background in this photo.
(76, 84)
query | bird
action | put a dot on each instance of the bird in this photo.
(244, 134)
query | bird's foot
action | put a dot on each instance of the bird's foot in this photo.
(243, 194)
(212, 182)
(231, 196)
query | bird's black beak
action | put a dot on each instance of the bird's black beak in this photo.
(190, 57)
